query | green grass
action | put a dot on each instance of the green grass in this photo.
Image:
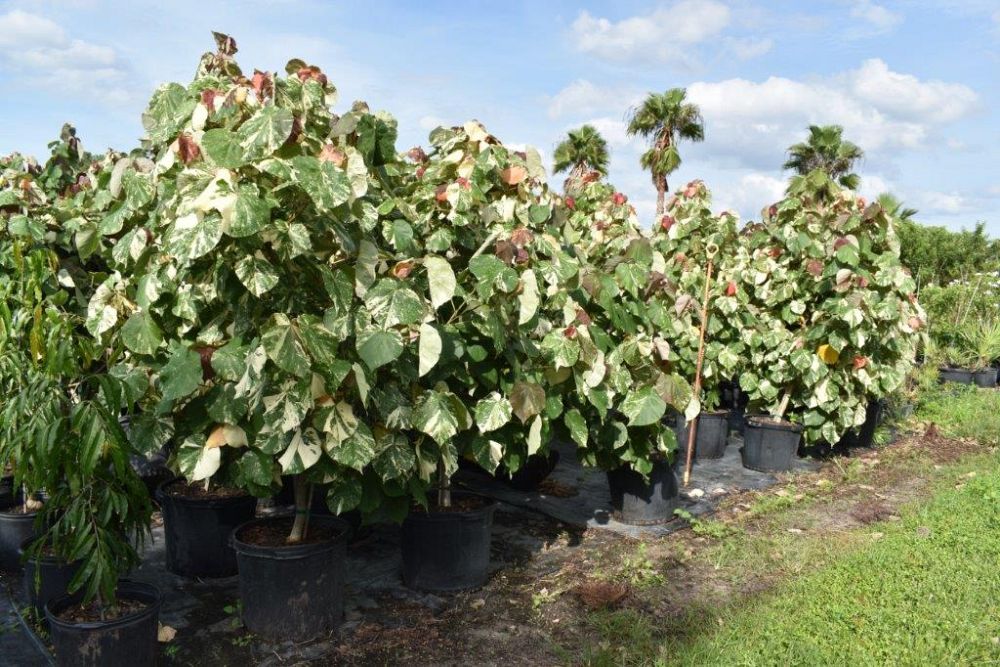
(926, 593)
(962, 411)
(924, 590)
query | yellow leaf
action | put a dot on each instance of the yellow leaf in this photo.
(827, 354)
(225, 434)
(165, 633)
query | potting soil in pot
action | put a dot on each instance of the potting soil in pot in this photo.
(198, 525)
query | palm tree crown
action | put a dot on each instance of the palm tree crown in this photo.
(895, 208)
(583, 149)
(665, 119)
(826, 149)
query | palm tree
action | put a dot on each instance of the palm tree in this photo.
(826, 150)
(665, 119)
(894, 208)
(583, 149)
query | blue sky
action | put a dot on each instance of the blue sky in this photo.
(915, 83)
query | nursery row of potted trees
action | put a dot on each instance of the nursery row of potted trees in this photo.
(972, 357)
(273, 295)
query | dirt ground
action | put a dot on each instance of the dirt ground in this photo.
(542, 611)
(565, 595)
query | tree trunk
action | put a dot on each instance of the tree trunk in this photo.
(780, 414)
(661, 194)
(444, 488)
(303, 502)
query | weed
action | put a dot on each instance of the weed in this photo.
(851, 472)
(706, 527)
(882, 436)
(236, 611)
(640, 569)
(541, 598)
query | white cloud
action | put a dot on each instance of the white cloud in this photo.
(877, 19)
(905, 96)
(941, 202)
(663, 36)
(612, 129)
(18, 28)
(582, 97)
(430, 122)
(752, 123)
(872, 185)
(751, 192)
(746, 48)
(39, 53)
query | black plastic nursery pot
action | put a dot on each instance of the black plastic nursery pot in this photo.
(8, 496)
(197, 531)
(986, 377)
(45, 578)
(534, 471)
(641, 501)
(448, 551)
(129, 640)
(710, 439)
(959, 375)
(864, 435)
(292, 591)
(15, 528)
(770, 446)
(737, 419)
(678, 424)
(712, 436)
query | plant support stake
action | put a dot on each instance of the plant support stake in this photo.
(693, 426)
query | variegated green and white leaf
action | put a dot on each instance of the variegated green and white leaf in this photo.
(441, 280)
(429, 348)
(302, 453)
(493, 412)
(257, 274)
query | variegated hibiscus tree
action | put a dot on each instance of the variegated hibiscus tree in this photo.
(620, 382)
(836, 319)
(236, 232)
(307, 302)
(688, 236)
(469, 255)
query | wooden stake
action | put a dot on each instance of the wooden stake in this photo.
(693, 426)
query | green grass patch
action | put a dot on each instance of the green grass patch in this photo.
(962, 411)
(927, 592)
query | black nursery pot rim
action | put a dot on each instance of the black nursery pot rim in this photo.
(13, 514)
(768, 422)
(290, 551)
(455, 515)
(44, 558)
(127, 590)
(161, 494)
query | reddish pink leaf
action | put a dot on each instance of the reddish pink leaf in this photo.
(187, 148)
